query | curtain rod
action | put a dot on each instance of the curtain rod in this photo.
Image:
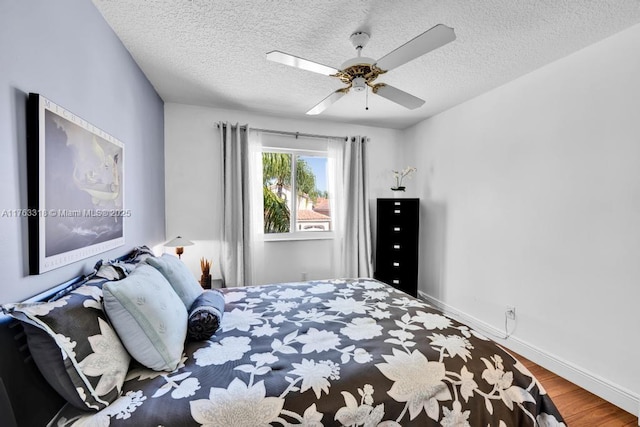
(296, 134)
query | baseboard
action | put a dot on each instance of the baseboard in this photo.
(597, 385)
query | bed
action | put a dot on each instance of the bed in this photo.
(352, 352)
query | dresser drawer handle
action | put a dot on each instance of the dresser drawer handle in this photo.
(396, 281)
(397, 203)
(396, 246)
(396, 228)
(396, 264)
(397, 211)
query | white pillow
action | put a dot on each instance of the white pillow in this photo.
(177, 273)
(148, 316)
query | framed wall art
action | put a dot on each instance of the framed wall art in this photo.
(75, 187)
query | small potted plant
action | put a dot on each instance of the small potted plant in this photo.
(400, 175)
(205, 280)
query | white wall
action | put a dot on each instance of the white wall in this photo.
(66, 52)
(193, 185)
(531, 198)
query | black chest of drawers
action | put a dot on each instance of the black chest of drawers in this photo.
(397, 243)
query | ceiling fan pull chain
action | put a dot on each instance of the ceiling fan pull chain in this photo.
(366, 96)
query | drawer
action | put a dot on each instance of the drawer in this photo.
(389, 204)
(397, 215)
(392, 264)
(399, 231)
(399, 248)
(404, 282)
(396, 263)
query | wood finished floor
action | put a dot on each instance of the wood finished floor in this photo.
(579, 407)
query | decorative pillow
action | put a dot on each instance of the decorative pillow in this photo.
(75, 348)
(148, 316)
(139, 254)
(205, 315)
(120, 268)
(110, 271)
(183, 282)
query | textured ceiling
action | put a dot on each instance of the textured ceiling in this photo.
(212, 52)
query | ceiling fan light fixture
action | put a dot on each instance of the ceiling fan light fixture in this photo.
(359, 84)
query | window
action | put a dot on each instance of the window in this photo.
(295, 193)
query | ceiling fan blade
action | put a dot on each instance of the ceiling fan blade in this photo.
(426, 42)
(328, 101)
(305, 64)
(398, 96)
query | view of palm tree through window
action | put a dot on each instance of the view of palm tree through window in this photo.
(305, 176)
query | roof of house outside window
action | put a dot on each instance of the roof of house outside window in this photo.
(322, 206)
(308, 215)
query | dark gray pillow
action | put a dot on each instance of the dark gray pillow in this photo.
(75, 347)
(46, 354)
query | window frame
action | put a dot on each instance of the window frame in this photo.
(294, 234)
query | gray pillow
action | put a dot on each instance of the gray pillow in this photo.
(205, 315)
(149, 317)
(183, 282)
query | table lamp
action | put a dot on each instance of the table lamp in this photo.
(179, 243)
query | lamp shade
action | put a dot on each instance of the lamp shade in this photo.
(178, 242)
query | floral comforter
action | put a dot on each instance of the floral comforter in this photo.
(331, 353)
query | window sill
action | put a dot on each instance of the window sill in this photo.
(288, 237)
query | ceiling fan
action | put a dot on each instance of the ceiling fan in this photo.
(359, 72)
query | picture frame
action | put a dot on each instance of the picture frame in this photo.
(75, 180)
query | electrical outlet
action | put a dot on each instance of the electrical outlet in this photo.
(510, 312)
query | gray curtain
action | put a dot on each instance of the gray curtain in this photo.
(356, 252)
(234, 255)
